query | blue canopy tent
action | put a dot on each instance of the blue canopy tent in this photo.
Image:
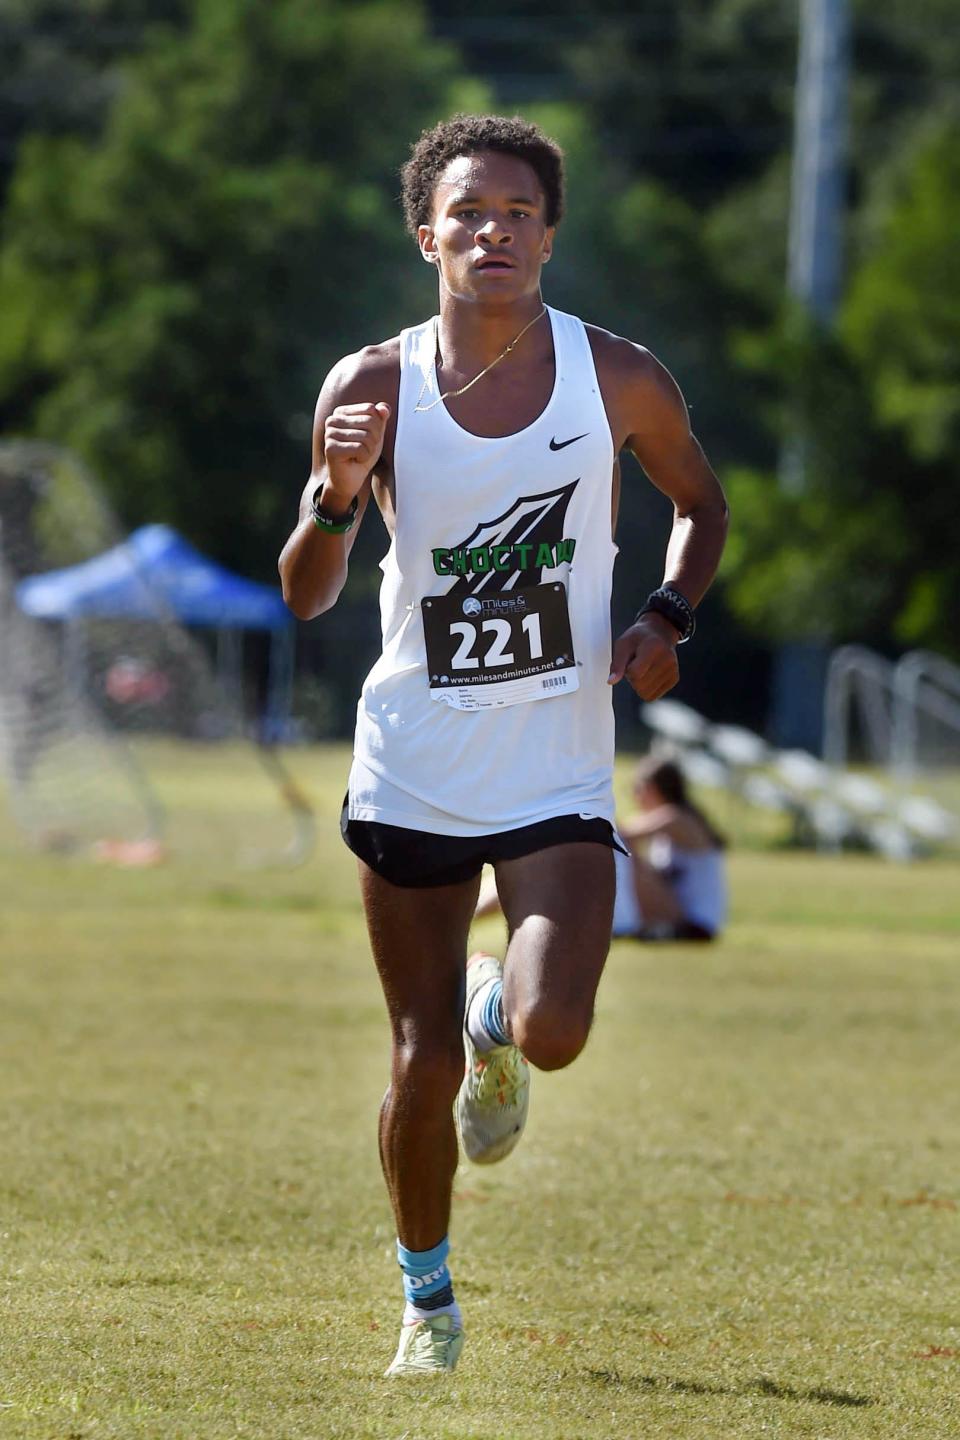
(156, 575)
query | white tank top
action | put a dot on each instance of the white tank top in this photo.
(508, 540)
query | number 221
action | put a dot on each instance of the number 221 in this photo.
(497, 654)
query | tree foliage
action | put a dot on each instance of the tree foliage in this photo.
(61, 63)
(201, 217)
(175, 291)
(866, 549)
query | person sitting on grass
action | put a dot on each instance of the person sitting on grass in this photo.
(679, 885)
(672, 885)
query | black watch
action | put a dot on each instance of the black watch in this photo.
(673, 607)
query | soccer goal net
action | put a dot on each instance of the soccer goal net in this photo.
(118, 733)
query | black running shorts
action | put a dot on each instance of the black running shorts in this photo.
(418, 859)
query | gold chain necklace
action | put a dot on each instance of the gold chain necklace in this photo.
(420, 409)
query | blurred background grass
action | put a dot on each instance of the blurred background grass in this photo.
(736, 1211)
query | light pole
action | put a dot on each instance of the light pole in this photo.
(814, 270)
(819, 145)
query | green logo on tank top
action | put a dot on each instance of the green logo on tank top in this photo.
(482, 559)
(512, 550)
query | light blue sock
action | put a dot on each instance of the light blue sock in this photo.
(485, 1022)
(427, 1283)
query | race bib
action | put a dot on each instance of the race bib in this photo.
(502, 649)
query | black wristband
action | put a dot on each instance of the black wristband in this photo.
(331, 523)
(673, 607)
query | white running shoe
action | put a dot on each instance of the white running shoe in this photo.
(492, 1102)
(430, 1347)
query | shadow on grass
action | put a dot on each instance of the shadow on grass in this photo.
(761, 1386)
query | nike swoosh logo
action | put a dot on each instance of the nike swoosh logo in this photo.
(556, 444)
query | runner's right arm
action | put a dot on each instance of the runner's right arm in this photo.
(348, 440)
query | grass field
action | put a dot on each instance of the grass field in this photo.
(737, 1215)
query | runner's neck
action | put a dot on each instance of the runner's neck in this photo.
(468, 337)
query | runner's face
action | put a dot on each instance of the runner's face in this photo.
(489, 236)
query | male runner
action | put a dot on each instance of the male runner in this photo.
(489, 439)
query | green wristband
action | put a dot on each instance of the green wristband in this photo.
(328, 523)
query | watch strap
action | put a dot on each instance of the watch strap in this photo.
(673, 607)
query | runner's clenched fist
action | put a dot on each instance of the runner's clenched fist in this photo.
(646, 655)
(352, 442)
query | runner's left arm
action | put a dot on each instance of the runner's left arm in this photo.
(657, 425)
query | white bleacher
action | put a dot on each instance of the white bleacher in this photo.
(675, 722)
(766, 794)
(802, 772)
(702, 768)
(862, 795)
(742, 749)
(833, 826)
(830, 806)
(925, 819)
(891, 839)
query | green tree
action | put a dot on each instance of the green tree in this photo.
(174, 292)
(868, 548)
(694, 94)
(61, 63)
(686, 121)
(902, 323)
(902, 315)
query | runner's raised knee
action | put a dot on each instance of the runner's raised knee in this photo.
(550, 1036)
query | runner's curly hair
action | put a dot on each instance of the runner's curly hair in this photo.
(466, 135)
